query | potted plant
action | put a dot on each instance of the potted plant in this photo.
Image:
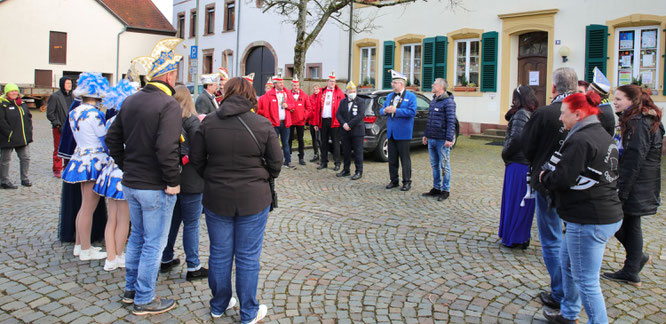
(465, 86)
(366, 84)
(411, 87)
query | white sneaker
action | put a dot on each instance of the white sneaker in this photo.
(120, 260)
(77, 249)
(232, 304)
(91, 254)
(261, 313)
(111, 265)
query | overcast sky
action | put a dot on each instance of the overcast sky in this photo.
(166, 6)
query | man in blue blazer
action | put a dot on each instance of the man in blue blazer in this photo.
(400, 107)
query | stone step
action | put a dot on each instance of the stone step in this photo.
(495, 132)
(486, 137)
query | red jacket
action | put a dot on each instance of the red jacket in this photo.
(338, 95)
(268, 107)
(301, 106)
(310, 113)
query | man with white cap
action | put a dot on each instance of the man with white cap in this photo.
(206, 102)
(301, 105)
(400, 107)
(602, 86)
(350, 115)
(224, 77)
(328, 100)
(277, 105)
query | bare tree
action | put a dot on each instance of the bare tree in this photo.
(310, 16)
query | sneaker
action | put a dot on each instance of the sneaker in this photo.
(232, 304)
(166, 266)
(77, 249)
(120, 260)
(261, 313)
(623, 276)
(91, 254)
(157, 306)
(111, 265)
(289, 166)
(128, 297)
(26, 183)
(432, 193)
(197, 274)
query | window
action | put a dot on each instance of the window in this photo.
(229, 14)
(314, 72)
(228, 61)
(57, 48)
(467, 62)
(422, 104)
(638, 56)
(210, 19)
(181, 25)
(193, 20)
(207, 62)
(411, 63)
(368, 64)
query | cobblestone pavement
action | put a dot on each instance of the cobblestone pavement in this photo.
(335, 251)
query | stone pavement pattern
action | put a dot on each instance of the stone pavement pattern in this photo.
(336, 251)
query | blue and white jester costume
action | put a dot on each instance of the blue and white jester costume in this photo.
(87, 124)
(109, 182)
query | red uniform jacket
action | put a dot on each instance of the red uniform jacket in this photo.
(301, 106)
(268, 107)
(310, 113)
(338, 95)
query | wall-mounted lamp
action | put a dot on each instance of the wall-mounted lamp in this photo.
(564, 53)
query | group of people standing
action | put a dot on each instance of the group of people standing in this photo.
(587, 178)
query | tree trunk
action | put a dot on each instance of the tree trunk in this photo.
(299, 48)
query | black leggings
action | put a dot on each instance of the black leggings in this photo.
(630, 235)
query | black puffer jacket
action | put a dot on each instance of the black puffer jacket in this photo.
(640, 167)
(15, 124)
(513, 145)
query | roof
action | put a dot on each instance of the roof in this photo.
(140, 15)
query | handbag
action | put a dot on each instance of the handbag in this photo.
(264, 163)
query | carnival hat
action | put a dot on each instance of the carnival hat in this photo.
(351, 85)
(91, 85)
(139, 66)
(249, 77)
(210, 78)
(269, 82)
(600, 83)
(278, 77)
(224, 74)
(332, 76)
(117, 94)
(295, 79)
(395, 75)
(163, 58)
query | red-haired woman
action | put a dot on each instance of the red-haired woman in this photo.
(639, 138)
(582, 179)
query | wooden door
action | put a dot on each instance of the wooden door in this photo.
(58, 48)
(262, 63)
(532, 73)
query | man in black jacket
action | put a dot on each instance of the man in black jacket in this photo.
(144, 142)
(350, 115)
(542, 136)
(56, 112)
(206, 102)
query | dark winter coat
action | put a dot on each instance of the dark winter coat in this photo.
(542, 136)
(15, 124)
(607, 117)
(584, 180)
(57, 108)
(190, 181)
(225, 155)
(441, 123)
(352, 117)
(205, 103)
(513, 145)
(144, 138)
(640, 167)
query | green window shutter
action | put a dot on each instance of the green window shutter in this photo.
(389, 53)
(489, 62)
(428, 64)
(663, 86)
(441, 45)
(596, 44)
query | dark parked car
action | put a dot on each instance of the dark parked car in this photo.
(375, 125)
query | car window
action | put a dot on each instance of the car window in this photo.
(422, 103)
(381, 101)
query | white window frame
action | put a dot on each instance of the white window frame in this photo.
(360, 63)
(314, 68)
(637, 49)
(468, 50)
(410, 77)
(230, 64)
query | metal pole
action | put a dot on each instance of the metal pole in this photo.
(237, 56)
(351, 33)
(196, 43)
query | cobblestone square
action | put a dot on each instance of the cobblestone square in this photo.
(335, 251)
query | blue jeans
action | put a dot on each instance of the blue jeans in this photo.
(150, 214)
(582, 253)
(283, 133)
(240, 237)
(188, 211)
(440, 163)
(550, 235)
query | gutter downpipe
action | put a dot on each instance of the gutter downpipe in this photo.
(118, 52)
(238, 39)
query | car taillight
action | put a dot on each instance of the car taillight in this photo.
(369, 119)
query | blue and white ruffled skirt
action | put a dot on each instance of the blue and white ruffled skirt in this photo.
(109, 182)
(85, 165)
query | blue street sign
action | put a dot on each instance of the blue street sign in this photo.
(193, 52)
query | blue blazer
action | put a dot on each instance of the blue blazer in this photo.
(401, 125)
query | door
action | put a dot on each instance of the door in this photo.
(262, 63)
(43, 78)
(532, 63)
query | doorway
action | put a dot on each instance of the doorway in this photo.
(532, 63)
(262, 63)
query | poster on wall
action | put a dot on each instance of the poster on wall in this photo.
(648, 58)
(534, 78)
(649, 38)
(625, 77)
(625, 61)
(647, 77)
(626, 40)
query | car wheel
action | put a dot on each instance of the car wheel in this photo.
(381, 152)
